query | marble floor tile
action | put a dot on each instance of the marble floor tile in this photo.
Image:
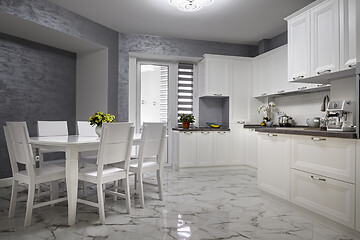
(219, 204)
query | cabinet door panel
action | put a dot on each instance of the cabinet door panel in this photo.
(299, 47)
(347, 34)
(222, 148)
(325, 46)
(279, 77)
(251, 146)
(237, 144)
(274, 164)
(187, 149)
(205, 149)
(330, 198)
(217, 76)
(331, 157)
(240, 82)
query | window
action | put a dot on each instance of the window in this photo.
(185, 88)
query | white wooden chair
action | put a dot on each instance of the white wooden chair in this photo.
(51, 128)
(85, 129)
(20, 152)
(115, 147)
(151, 148)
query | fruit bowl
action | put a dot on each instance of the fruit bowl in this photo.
(214, 125)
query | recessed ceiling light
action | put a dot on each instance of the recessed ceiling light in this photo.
(190, 5)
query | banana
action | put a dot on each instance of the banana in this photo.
(214, 126)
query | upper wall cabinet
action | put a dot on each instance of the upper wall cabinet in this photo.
(214, 78)
(299, 47)
(347, 34)
(325, 38)
(322, 39)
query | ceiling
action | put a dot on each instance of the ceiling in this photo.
(231, 21)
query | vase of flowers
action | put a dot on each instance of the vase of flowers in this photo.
(267, 109)
(186, 119)
(99, 118)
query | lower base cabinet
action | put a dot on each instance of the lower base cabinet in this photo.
(222, 148)
(251, 147)
(205, 148)
(184, 149)
(328, 197)
(274, 164)
(237, 144)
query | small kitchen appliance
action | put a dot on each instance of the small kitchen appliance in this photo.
(341, 116)
(285, 121)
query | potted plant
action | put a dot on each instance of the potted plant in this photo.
(186, 119)
(266, 108)
(99, 118)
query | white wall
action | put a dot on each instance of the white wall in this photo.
(91, 83)
(357, 30)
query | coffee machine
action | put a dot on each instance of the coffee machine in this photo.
(341, 116)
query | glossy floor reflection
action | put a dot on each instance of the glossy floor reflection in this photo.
(198, 205)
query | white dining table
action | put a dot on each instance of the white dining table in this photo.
(71, 145)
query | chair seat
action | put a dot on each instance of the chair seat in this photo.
(47, 173)
(89, 174)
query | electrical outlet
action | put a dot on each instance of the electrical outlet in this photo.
(281, 112)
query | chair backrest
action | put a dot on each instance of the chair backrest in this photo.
(85, 129)
(21, 147)
(52, 128)
(115, 143)
(152, 143)
(9, 144)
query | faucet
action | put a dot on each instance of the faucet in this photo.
(325, 102)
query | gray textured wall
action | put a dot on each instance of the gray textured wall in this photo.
(50, 15)
(37, 82)
(167, 46)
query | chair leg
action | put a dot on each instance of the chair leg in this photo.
(116, 189)
(135, 181)
(141, 190)
(100, 193)
(127, 194)
(13, 200)
(54, 189)
(29, 205)
(159, 180)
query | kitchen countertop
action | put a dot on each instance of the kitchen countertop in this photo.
(301, 130)
(201, 129)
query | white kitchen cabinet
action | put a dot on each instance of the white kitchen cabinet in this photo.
(347, 34)
(214, 77)
(325, 45)
(357, 197)
(205, 148)
(299, 47)
(261, 71)
(328, 197)
(240, 89)
(278, 78)
(251, 147)
(330, 157)
(185, 149)
(274, 164)
(237, 143)
(222, 148)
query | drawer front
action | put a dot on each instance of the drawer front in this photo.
(330, 157)
(330, 198)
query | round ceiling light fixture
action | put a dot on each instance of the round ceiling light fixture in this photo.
(190, 5)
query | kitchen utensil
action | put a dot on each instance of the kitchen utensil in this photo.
(313, 122)
(285, 121)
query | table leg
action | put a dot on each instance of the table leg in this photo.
(72, 182)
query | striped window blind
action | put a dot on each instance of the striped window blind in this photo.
(185, 88)
(164, 74)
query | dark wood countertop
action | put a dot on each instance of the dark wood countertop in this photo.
(307, 132)
(201, 129)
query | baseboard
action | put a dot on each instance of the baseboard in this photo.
(199, 169)
(6, 182)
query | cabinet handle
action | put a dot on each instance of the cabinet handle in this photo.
(281, 91)
(188, 133)
(205, 132)
(240, 122)
(297, 78)
(318, 139)
(220, 94)
(353, 65)
(221, 132)
(272, 135)
(215, 94)
(324, 72)
(302, 88)
(318, 179)
(263, 94)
